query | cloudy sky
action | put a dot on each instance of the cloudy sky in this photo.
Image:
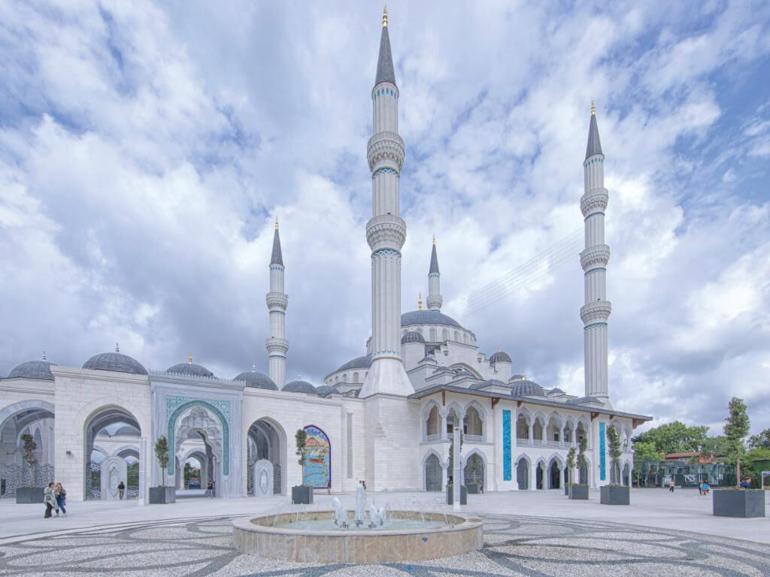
(145, 149)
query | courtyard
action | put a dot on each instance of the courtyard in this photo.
(525, 533)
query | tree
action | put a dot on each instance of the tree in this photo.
(717, 445)
(736, 428)
(28, 447)
(300, 439)
(581, 459)
(760, 441)
(615, 451)
(675, 437)
(645, 452)
(571, 468)
(161, 454)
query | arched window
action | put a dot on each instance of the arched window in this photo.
(522, 474)
(537, 430)
(433, 473)
(355, 377)
(473, 425)
(522, 428)
(345, 378)
(445, 335)
(433, 334)
(474, 471)
(457, 336)
(554, 430)
(433, 423)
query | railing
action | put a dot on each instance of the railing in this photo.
(433, 438)
(474, 438)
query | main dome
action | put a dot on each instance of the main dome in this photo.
(300, 387)
(257, 380)
(526, 388)
(189, 369)
(117, 362)
(40, 370)
(500, 357)
(428, 317)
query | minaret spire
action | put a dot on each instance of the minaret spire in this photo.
(386, 233)
(434, 281)
(277, 301)
(596, 310)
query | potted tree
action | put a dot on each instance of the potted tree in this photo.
(29, 493)
(162, 494)
(570, 470)
(451, 467)
(580, 490)
(738, 501)
(615, 493)
(301, 493)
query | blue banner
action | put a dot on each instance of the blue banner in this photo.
(602, 453)
(506, 445)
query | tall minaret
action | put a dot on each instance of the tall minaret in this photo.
(434, 281)
(594, 259)
(386, 232)
(277, 300)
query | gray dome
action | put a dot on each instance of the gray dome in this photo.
(358, 363)
(300, 387)
(324, 390)
(117, 362)
(556, 391)
(427, 317)
(488, 383)
(189, 369)
(526, 388)
(32, 370)
(257, 380)
(500, 357)
(412, 337)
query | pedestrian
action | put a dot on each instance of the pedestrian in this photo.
(121, 489)
(61, 498)
(210, 489)
(671, 486)
(50, 501)
(706, 488)
(700, 488)
(213, 488)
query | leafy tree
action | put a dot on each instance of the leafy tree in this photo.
(300, 439)
(571, 467)
(736, 428)
(645, 452)
(675, 437)
(760, 441)
(581, 459)
(161, 454)
(28, 447)
(613, 437)
(717, 445)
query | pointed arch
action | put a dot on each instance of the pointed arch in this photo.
(468, 368)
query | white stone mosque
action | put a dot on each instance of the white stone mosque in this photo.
(385, 417)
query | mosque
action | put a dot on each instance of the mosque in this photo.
(385, 417)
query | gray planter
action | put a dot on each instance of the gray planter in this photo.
(162, 495)
(579, 492)
(27, 495)
(739, 503)
(615, 495)
(473, 488)
(302, 495)
(450, 498)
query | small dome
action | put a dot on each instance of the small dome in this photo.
(257, 380)
(324, 390)
(526, 388)
(556, 391)
(189, 369)
(412, 337)
(300, 387)
(363, 362)
(488, 383)
(40, 370)
(500, 357)
(117, 362)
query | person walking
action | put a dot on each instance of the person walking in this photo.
(671, 486)
(210, 489)
(50, 501)
(121, 489)
(61, 499)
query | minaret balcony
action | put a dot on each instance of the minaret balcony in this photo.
(385, 148)
(277, 347)
(594, 201)
(597, 311)
(596, 256)
(386, 231)
(276, 301)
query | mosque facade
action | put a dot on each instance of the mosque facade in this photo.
(385, 417)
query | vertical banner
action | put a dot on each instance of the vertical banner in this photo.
(602, 452)
(506, 445)
(317, 470)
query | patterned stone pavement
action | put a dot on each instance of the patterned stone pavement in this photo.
(514, 545)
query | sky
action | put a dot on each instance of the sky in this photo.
(146, 149)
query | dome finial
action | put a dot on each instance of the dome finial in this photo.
(385, 16)
(44, 357)
(419, 301)
(434, 240)
(593, 108)
(189, 358)
(276, 223)
(117, 348)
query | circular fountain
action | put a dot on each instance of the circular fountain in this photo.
(347, 537)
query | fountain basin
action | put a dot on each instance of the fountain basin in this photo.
(277, 537)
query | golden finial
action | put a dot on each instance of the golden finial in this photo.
(189, 358)
(419, 301)
(44, 357)
(276, 223)
(385, 16)
(593, 108)
(434, 240)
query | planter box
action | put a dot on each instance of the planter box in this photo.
(302, 495)
(615, 495)
(162, 495)
(739, 503)
(473, 489)
(579, 492)
(26, 495)
(450, 498)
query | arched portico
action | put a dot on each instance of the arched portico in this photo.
(266, 444)
(433, 472)
(29, 417)
(474, 471)
(522, 473)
